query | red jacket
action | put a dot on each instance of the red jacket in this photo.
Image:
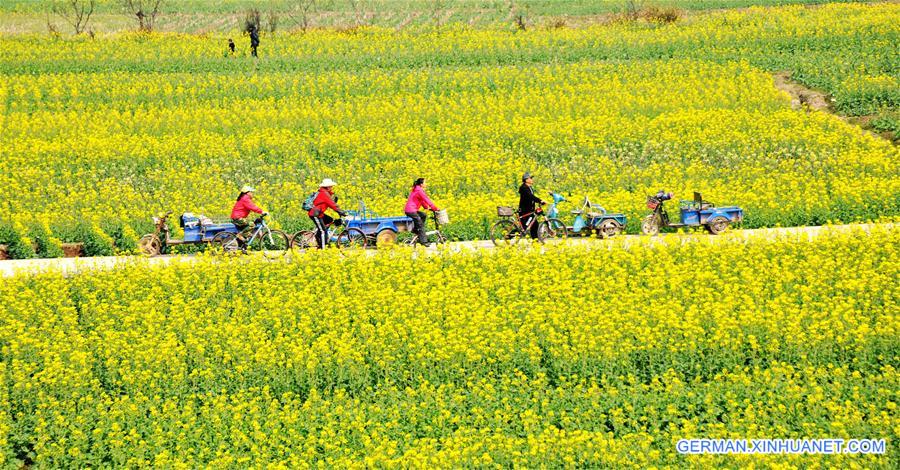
(243, 207)
(322, 202)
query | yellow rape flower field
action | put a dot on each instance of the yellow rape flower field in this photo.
(584, 355)
(106, 132)
(602, 354)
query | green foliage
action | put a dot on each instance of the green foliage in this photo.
(19, 246)
(48, 246)
(887, 122)
(124, 238)
(96, 241)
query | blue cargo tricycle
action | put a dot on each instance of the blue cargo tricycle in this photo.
(203, 230)
(195, 232)
(590, 218)
(694, 213)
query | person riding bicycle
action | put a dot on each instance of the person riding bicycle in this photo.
(418, 199)
(243, 206)
(527, 204)
(323, 201)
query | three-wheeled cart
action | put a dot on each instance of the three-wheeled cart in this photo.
(197, 230)
(590, 218)
(378, 230)
(694, 213)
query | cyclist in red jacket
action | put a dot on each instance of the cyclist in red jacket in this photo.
(242, 208)
(324, 201)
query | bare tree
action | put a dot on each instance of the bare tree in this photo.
(437, 10)
(304, 10)
(632, 9)
(361, 14)
(272, 20)
(145, 11)
(252, 20)
(75, 12)
(519, 15)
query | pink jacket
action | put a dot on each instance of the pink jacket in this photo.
(417, 199)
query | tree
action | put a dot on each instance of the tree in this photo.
(304, 10)
(252, 20)
(361, 15)
(145, 11)
(632, 9)
(272, 20)
(519, 15)
(75, 12)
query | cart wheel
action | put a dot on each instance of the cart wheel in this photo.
(550, 229)
(273, 244)
(717, 225)
(226, 241)
(303, 240)
(351, 238)
(150, 245)
(505, 232)
(386, 237)
(650, 225)
(609, 228)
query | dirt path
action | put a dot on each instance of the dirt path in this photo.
(70, 266)
(803, 98)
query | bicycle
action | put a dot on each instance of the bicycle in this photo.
(508, 230)
(272, 243)
(347, 238)
(410, 238)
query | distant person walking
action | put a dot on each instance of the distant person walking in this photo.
(231, 46)
(254, 40)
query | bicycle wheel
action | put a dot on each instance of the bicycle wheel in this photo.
(505, 232)
(303, 240)
(351, 238)
(550, 229)
(407, 238)
(226, 241)
(272, 243)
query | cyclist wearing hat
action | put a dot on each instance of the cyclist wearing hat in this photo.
(243, 206)
(527, 203)
(323, 201)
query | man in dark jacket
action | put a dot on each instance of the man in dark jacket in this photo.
(254, 40)
(528, 202)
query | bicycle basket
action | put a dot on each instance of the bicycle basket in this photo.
(652, 203)
(504, 211)
(442, 217)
